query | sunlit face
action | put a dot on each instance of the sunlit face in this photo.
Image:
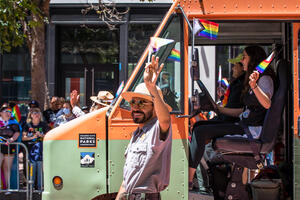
(237, 70)
(245, 60)
(35, 115)
(6, 114)
(141, 110)
(55, 104)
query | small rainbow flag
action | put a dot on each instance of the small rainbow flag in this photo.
(175, 55)
(224, 82)
(16, 113)
(208, 29)
(156, 43)
(226, 95)
(265, 63)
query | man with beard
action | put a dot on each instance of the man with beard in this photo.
(147, 165)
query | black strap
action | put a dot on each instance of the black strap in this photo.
(253, 145)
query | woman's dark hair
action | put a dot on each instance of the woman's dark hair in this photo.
(256, 54)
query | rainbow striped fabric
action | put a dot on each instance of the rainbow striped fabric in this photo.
(175, 55)
(209, 29)
(224, 82)
(265, 63)
(16, 113)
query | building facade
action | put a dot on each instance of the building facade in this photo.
(82, 53)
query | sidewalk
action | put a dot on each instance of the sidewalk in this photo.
(19, 196)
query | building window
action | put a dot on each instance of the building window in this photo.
(16, 75)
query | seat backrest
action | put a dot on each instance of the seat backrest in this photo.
(273, 117)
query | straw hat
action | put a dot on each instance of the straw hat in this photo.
(236, 59)
(103, 98)
(141, 91)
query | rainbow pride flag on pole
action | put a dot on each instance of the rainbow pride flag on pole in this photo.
(16, 113)
(175, 55)
(156, 43)
(224, 82)
(206, 29)
(265, 63)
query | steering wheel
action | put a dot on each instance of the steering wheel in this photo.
(206, 101)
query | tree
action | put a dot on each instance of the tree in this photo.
(24, 21)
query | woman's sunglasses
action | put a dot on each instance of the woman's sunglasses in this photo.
(139, 103)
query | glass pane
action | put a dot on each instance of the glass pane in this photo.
(138, 38)
(81, 45)
(105, 80)
(170, 78)
(16, 75)
(75, 81)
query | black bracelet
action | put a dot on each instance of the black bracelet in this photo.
(254, 87)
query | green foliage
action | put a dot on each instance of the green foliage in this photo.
(15, 22)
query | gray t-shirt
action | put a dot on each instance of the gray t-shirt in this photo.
(266, 84)
(148, 160)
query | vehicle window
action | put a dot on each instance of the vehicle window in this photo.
(170, 78)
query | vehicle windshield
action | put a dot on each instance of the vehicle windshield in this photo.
(171, 75)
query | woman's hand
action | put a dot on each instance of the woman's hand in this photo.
(253, 79)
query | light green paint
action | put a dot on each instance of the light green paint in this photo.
(178, 187)
(87, 183)
(63, 159)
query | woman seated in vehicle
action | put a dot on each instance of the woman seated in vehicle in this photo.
(256, 95)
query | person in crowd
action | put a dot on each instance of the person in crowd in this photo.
(103, 99)
(33, 104)
(49, 114)
(33, 133)
(66, 116)
(147, 170)
(256, 95)
(9, 132)
(232, 96)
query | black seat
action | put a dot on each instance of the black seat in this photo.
(238, 146)
(238, 150)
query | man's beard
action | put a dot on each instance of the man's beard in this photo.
(143, 119)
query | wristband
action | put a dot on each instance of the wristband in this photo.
(254, 87)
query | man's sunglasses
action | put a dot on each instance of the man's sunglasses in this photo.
(139, 103)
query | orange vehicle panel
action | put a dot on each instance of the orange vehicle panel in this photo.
(94, 122)
(228, 9)
(296, 29)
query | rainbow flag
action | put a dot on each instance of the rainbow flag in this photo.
(156, 43)
(175, 55)
(16, 113)
(208, 29)
(265, 63)
(226, 96)
(224, 82)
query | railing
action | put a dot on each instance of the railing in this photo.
(28, 173)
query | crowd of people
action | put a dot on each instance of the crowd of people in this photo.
(28, 124)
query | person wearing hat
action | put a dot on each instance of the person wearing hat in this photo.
(103, 99)
(33, 104)
(147, 165)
